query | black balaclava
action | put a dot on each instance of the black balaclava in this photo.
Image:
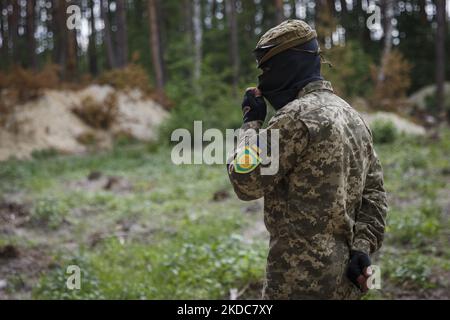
(288, 72)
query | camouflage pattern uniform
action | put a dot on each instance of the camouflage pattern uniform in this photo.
(326, 199)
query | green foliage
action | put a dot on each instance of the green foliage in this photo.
(50, 212)
(209, 101)
(409, 269)
(182, 244)
(350, 74)
(190, 267)
(431, 103)
(412, 226)
(44, 154)
(417, 43)
(384, 132)
(415, 249)
(55, 287)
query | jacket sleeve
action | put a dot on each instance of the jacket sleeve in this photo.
(254, 181)
(371, 219)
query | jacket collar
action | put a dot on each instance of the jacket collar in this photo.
(320, 85)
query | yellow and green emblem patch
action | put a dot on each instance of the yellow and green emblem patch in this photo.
(247, 160)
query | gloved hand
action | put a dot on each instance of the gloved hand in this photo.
(254, 106)
(359, 269)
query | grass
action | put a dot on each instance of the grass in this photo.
(416, 247)
(164, 237)
(158, 233)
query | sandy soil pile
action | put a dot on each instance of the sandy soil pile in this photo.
(49, 123)
(419, 98)
(403, 125)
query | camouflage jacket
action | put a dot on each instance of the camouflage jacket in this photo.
(326, 198)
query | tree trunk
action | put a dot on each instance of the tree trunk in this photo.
(198, 38)
(422, 13)
(293, 9)
(4, 53)
(122, 38)
(107, 37)
(234, 43)
(58, 31)
(155, 42)
(31, 40)
(13, 24)
(187, 17)
(440, 55)
(279, 11)
(387, 12)
(72, 54)
(93, 64)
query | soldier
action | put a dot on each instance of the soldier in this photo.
(325, 208)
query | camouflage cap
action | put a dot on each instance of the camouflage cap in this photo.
(288, 34)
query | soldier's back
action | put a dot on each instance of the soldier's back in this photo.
(312, 214)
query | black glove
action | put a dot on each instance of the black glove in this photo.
(253, 108)
(359, 261)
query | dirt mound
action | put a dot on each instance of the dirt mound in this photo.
(49, 122)
(419, 98)
(403, 125)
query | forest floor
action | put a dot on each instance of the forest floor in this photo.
(142, 228)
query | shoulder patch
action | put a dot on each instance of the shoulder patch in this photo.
(247, 160)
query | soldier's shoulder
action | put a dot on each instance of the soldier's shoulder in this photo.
(322, 98)
(288, 119)
(287, 114)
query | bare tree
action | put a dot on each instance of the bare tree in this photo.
(234, 45)
(155, 42)
(122, 37)
(31, 28)
(65, 42)
(198, 38)
(4, 35)
(279, 11)
(72, 54)
(92, 50)
(422, 12)
(107, 37)
(13, 25)
(387, 12)
(59, 31)
(188, 28)
(440, 54)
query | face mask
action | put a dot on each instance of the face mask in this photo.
(279, 98)
(285, 74)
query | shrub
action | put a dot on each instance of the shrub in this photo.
(410, 269)
(98, 115)
(431, 103)
(44, 154)
(25, 85)
(413, 226)
(384, 132)
(350, 72)
(49, 212)
(213, 104)
(130, 77)
(390, 92)
(169, 270)
(134, 77)
(20, 85)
